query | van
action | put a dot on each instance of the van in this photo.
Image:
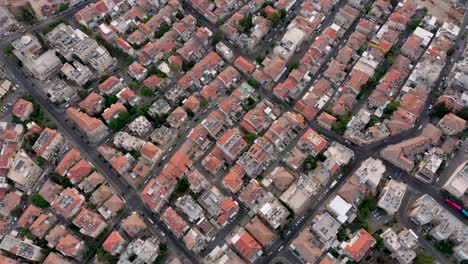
(333, 184)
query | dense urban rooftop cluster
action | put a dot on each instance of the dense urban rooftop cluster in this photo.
(196, 131)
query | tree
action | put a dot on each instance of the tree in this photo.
(181, 188)
(220, 22)
(423, 258)
(63, 7)
(188, 65)
(253, 83)
(463, 113)
(40, 161)
(217, 37)
(275, 18)
(120, 121)
(104, 256)
(190, 113)
(143, 110)
(339, 126)
(390, 108)
(250, 137)
(246, 23)
(27, 16)
(134, 85)
(394, 3)
(367, 9)
(162, 30)
(282, 13)
(146, 91)
(413, 24)
(444, 247)
(379, 245)
(110, 100)
(259, 59)
(439, 110)
(39, 201)
(294, 64)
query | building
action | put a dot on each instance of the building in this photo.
(71, 246)
(246, 245)
(312, 143)
(24, 172)
(77, 73)
(93, 104)
(174, 222)
(326, 228)
(68, 203)
(140, 126)
(370, 173)
(401, 245)
(22, 109)
(59, 91)
(90, 223)
(134, 224)
(445, 225)
(451, 124)
(222, 254)
(340, 209)
(141, 250)
(41, 66)
(401, 154)
(260, 231)
(48, 143)
(190, 208)
(232, 144)
(337, 157)
(271, 209)
(22, 249)
(114, 243)
(457, 184)
(92, 127)
(391, 196)
(194, 240)
(359, 245)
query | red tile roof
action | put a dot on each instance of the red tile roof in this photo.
(68, 161)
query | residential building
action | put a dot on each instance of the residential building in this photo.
(391, 196)
(68, 203)
(48, 143)
(457, 184)
(93, 104)
(369, 173)
(24, 171)
(134, 224)
(190, 208)
(24, 249)
(77, 73)
(451, 124)
(141, 250)
(246, 245)
(114, 243)
(312, 143)
(90, 223)
(359, 245)
(71, 246)
(174, 222)
(402, 245)
(22, 109)
(260, 231)
(326, 228)
(92, 127)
